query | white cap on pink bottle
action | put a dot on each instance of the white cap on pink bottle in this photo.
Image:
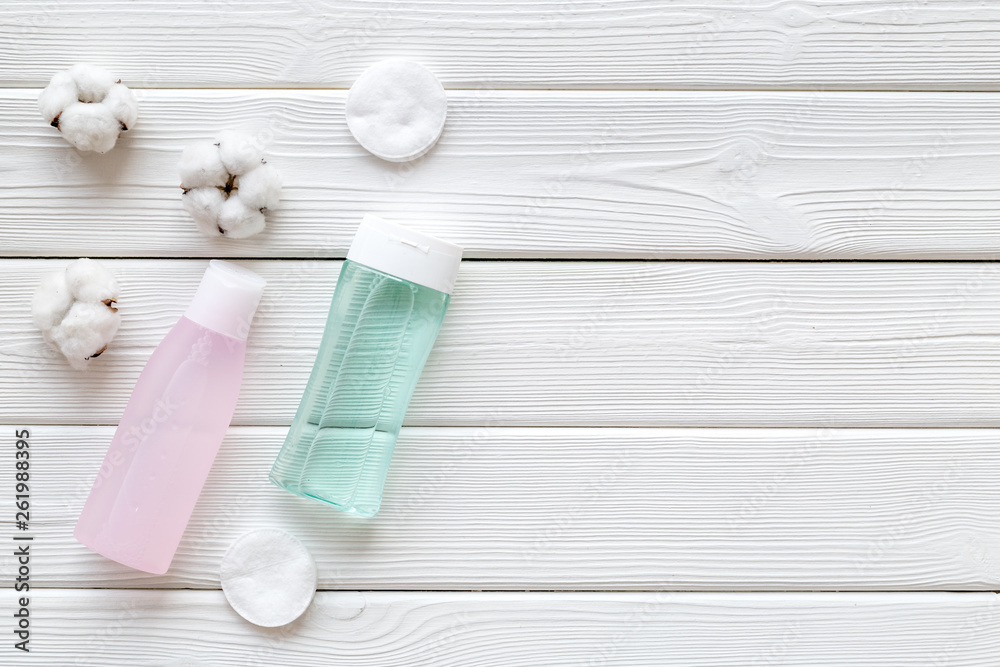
(226, 299)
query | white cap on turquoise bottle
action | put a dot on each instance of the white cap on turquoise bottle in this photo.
(226, 299)
(405, 253)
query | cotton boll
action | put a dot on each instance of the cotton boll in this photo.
(227, 186)
(59, 94)
(92, 83)
(122, 104)
(85, 332)
(89, 281)
(205, 205)
(238, 151)
(51, 302)
(88, 107)
(75, 310)
(201, 165)
(239, 221)
(260, 188)
(89, 127)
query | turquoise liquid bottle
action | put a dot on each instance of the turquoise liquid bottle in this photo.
(388, 306)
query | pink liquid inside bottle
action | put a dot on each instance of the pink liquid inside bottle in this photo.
(172, 427)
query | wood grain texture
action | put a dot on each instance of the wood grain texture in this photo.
(630, 130)
(577, 509)
(901, 44)
(714, 175)
(521, 630)
(582, 344)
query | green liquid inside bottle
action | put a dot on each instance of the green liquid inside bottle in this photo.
(379, 333)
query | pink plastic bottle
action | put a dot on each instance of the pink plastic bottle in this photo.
(172, 427)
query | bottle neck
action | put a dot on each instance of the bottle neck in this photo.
(226, 299)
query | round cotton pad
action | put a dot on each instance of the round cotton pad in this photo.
(268, 577)
(396, 110)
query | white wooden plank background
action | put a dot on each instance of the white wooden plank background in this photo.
(559, 439)
(584, 343)
(908, 44)
(723, 175)
(526, 629)
(583, 509)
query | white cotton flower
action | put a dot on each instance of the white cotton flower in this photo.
(201, 165)
(239, 152)
(52, 301)
(89, 281)
(75, 310)
(89, 127)
(85, 332)
(260, 188)
(227, 185)
(238, 221)
(204, 205)
(92, 83)
(89, 107)
(60, 93)
(122, 103)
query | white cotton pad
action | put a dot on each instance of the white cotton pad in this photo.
(268, 577)
(396, 110)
